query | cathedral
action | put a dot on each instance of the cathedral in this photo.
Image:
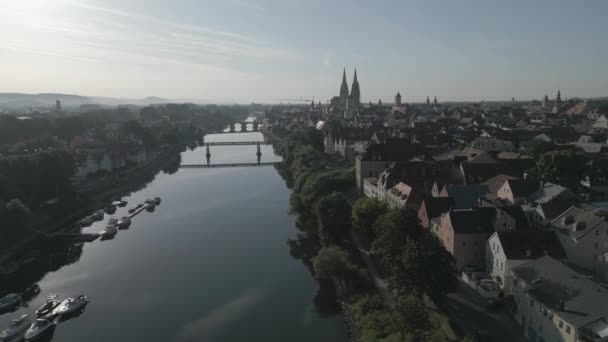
(347, 103)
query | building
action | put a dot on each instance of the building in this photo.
(552, 302)
(517, 191)
(398, 100)
(347, 103)
(432, 207)
(506, 250)
(378, 157)
(465, 196)
(584, 236)
(463, 232)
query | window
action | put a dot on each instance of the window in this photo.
(596, 244)
(568, 329)
(561, 324)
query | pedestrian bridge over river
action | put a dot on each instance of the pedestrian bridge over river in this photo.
(258, 153)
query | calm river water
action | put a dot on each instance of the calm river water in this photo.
(211, 263)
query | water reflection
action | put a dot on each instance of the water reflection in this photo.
(53, 255)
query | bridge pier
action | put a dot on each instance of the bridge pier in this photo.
(208, 155)
(259, 153)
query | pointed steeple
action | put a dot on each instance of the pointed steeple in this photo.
(355, 92)
(428, 101)
(344, 86)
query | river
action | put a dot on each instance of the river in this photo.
(211, 263)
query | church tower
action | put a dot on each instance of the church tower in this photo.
(355, 93)
(545, 101)
(344, 90)
(558, 103)
(398, 100)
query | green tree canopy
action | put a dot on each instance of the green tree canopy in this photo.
(411, 318)
(333, 262)
(393, 229)
(554, 165)
(365, 213)
(333, 213)
(424, 267)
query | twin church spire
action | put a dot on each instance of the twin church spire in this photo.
(352, 100)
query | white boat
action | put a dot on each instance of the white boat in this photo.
(122, 203)
(124, 222)
(157, 200)
(98, 215)
(87, 221)
(40, 328)
(52, 302)
(71, 305)
(10, 301)
(110, 231)
(16, 329)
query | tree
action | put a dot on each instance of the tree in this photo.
(393, 229)
(14, 215)
(554, 165)
(411, 318)
(333, 262)
(536, 147)
(424, 267)
(333, 213)
(365, 213)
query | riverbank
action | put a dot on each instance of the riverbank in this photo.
(323, 203)
(97, 198)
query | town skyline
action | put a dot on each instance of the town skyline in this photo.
(241, 52)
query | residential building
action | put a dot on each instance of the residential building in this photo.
(517, 191)
(508, 249)
(463, 232)
(552, 302)
(378, 157)
(584, 236)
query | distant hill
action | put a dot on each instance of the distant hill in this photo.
(38, 101)
(16, 100)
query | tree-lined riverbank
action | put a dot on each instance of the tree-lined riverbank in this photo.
(418, 269)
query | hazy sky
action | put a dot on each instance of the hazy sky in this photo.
(261, 50)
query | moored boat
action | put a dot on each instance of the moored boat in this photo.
(109, 232)
(124, 222)
(157, 200)
(52, 302)
(16, 329)
(112, 221)
(111, 209)
(71, 305)
(39, 328)
(9, 302)
(87, 221)
(122, 203)
(98, 215)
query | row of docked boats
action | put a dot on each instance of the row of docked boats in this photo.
(114, 225)
(48, 316)
(149, 205)
(99, 214)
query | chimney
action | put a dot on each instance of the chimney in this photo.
(525, 175)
